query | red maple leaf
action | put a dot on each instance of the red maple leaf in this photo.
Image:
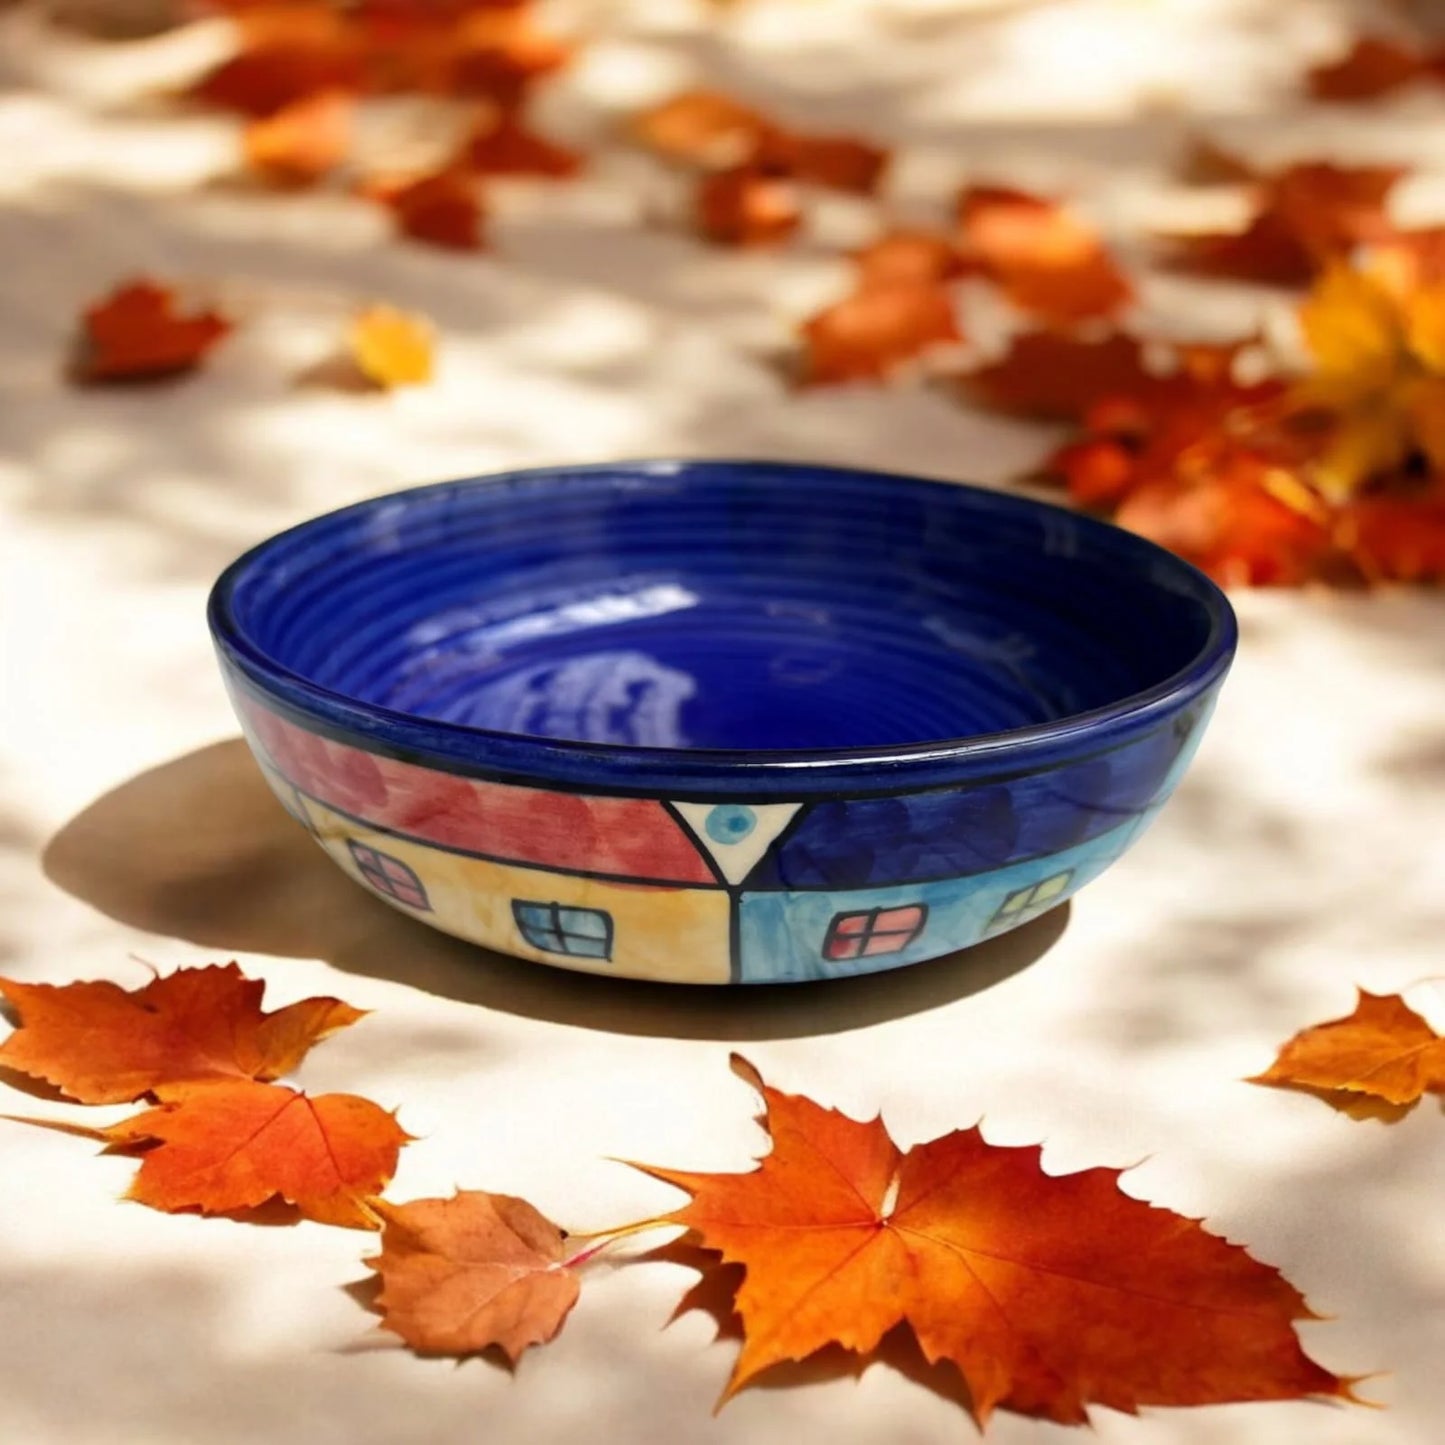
(1397, 535)
(746, 206)
(288, 53)
(137, 333)
(502, 145)
(840, 162)
(443, 209)
(1305, 216)
(1056, 377)
(1372, 67)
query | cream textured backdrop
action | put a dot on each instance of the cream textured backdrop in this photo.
(1302, 856)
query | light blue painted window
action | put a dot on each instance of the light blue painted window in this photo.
(555, 928)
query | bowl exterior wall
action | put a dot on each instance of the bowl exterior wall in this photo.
(715, 889)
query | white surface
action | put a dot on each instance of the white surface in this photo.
(1302, 856)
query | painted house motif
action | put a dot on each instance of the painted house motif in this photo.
(722, 890)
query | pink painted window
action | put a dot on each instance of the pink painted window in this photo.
(388, 875)
(874, 931)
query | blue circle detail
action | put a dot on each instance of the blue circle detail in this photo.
(730, 823)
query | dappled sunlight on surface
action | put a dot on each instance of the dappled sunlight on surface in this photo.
(1302, 856)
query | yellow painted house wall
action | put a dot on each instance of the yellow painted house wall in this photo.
(658, 930)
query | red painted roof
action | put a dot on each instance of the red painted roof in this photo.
(629, 837)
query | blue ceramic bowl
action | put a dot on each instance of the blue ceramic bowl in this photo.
(719, 722)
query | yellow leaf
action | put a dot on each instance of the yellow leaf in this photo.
(392, 347)
(1353, 328)
(1379, 354)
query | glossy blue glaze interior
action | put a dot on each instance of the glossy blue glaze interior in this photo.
(748, 607)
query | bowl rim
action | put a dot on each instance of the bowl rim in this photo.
(462, 748)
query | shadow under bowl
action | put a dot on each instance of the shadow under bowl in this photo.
(719, 721)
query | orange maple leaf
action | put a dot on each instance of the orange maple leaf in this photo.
(225, 1147)
(1045, 260)
(1371, 67)
(301, 142)
(746, 207)
(908, 258)
(443, 209)
(1177, 424)
(1099, 471)
(1048, 1292)
(1383, 1048)
(501, 145)
(463, 1274)
(137, 334)
(839, 162)
(1233, 512)
(1305, 216)
(1247, 480)
(871, 333)
(392, 347)
(1205, 465)
(703, 128)
(1189, 456)
(102, 1044)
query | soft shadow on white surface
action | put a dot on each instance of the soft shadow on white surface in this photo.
(199, 849)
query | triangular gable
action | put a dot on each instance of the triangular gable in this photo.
(736, 835)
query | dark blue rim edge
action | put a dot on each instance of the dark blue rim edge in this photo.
(616, 767)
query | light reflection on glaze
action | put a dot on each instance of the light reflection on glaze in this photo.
(612, 697)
